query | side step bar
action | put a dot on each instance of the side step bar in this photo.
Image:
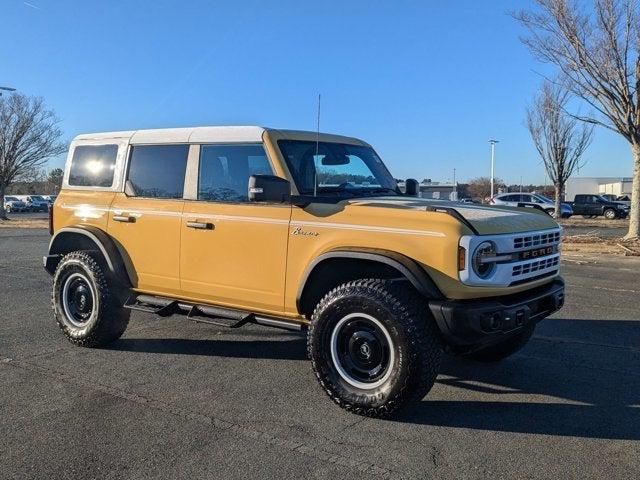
(219, 316)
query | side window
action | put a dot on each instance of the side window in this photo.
(225, 170)
(157, 171)
(93, 165)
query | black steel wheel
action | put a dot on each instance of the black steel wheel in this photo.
(362, 350)
(78, 299)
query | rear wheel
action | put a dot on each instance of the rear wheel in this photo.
(502, 350)
(551, 212)
(7, 208)
(86, 303)
(373, 347)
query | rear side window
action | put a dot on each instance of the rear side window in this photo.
(93, 165)
(225, 170)
(510, 198)
(157, 171)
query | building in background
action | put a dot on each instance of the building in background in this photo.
(436, 190)
(597, 185)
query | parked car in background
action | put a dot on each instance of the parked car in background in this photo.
(35, 203)
(38, 203)
(50, 198)
(13, 204)
(623, 199)
(590, 206)
(548, 205)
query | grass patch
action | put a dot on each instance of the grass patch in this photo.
(25, 223)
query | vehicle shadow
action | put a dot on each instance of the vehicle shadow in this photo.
(581, 378)
(290, 349)
(585, 373)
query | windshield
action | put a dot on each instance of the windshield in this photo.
(337, 169)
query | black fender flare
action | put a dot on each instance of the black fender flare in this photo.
(403, 264)
(103, 243)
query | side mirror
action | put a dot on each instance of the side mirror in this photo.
(269, 188)
(412, 187)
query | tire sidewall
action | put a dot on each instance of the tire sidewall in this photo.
(325, 320)
(610, 214)
(67, 268)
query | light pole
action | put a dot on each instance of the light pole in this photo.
(7, 89)
(493, 155)
(455, 187)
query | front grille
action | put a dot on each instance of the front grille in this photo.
(535, 266)
(537, 240)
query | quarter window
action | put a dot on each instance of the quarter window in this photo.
(225, 171)
(93, 165)
(157, 171)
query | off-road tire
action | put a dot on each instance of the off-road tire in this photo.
(415, 339)
(610, 214)
(502, 350)
(108, 319)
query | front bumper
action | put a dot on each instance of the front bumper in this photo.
(472, 323)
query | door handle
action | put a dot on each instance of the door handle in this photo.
(200, 225)
(124, 218)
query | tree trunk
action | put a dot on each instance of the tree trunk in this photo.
(558, 208)
(3, 213)
(634, 216)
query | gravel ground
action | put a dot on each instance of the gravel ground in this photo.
(173, 399)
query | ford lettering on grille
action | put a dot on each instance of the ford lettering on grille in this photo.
(536, 252)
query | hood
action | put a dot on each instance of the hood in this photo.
(487, 220)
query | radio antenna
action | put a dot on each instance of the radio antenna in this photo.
(315, 158)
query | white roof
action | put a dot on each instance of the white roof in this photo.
(183, 135)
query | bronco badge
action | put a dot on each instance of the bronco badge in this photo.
(298, 231)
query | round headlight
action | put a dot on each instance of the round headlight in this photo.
(481, 262)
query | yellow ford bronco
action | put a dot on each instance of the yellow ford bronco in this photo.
(296, 230)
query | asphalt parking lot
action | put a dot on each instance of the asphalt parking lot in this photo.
(173, 399)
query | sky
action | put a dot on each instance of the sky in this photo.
(427, 83)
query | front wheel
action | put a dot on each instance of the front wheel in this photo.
(7, 209)
(610, 214)
(85, 302)
(373, 346)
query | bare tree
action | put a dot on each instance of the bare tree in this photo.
(480, 187)
(29, 136)
(559, 140)
(597, 53)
